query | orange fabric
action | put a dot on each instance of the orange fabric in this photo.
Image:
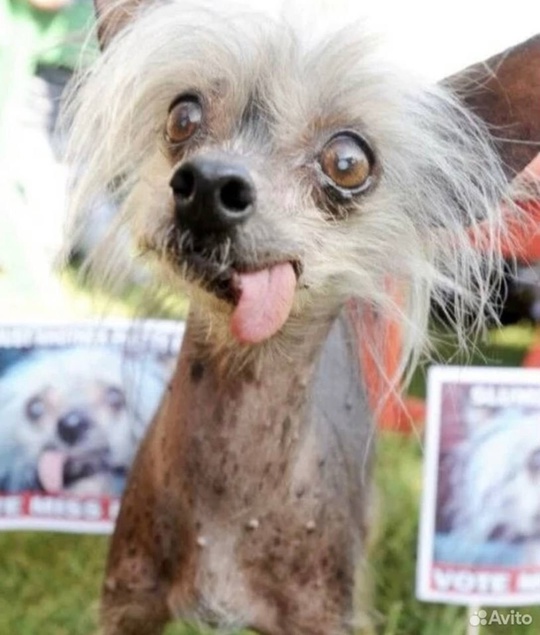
(393, 413)
(381, 365)
(523, 240)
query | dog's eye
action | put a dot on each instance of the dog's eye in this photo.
(185, 116)
(348, 161)
(115, 398)
(534, 463)
(35, 408)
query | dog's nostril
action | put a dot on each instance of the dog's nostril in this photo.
(236, 195)
(212, 196)
(73, 426)
(183, 183)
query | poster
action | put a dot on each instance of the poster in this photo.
(75, 401)
(479, 540)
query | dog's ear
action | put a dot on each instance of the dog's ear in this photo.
(505, 92)
(112, 17)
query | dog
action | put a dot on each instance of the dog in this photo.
(72, 419)
(495, 506)
(288, 179)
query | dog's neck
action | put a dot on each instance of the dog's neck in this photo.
(251, 461)
(290, 356)
(299, 342)
(243, 423)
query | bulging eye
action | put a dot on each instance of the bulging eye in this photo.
(534, 463)
(347, 161)
(184, 120)
(35, 408)
(115, 398)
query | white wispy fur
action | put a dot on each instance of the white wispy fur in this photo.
(502, 496)
(440, 181)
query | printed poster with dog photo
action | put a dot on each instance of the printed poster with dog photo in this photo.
(480, 523)
(75, 400)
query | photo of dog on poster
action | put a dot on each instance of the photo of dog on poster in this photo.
(490, 511)
(499, 483)
(71, 417)
(480, 520)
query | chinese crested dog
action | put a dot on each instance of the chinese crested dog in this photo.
(290, 181)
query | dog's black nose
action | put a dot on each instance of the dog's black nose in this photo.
(73, 426)
(212, 196)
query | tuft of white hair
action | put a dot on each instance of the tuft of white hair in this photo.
(441, 184)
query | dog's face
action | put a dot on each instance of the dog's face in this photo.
(66, 421)
(261, 181)
(279, 173)
(78, 428)
(498, 481)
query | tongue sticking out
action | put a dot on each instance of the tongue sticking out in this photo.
(266, 298)
(51, 470)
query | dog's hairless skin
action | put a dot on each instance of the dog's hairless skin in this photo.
(235, 496)
(248, 502)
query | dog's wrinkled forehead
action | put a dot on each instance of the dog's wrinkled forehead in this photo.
(256, 75)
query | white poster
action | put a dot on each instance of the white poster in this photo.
(479, 540)
(75, 400)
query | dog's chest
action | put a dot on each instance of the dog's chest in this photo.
(262, 528)
(259, 492)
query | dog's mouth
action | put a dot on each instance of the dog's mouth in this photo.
(265, 300)
(261, 295)
(505, 533)
(58, 470)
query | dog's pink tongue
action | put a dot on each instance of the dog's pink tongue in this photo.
(51, 470)
(266, 298)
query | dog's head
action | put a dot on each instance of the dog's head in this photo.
(499, 500)
(280, 173)
(71, 419)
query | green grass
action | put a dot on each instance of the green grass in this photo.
(393, 555)
(49, 583)
(501, 347)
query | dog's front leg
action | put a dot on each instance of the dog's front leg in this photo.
(149, 552)
(135, 614)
